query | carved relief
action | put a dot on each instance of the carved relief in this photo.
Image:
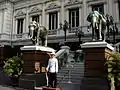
(73, 2)
(35, 10)
(20, 13)
(52, 6)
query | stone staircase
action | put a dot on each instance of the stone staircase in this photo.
(70, 76)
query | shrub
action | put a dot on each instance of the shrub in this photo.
(13, 66)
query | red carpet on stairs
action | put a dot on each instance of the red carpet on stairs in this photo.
(49, 88)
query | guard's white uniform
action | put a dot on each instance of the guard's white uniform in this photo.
(52, 66)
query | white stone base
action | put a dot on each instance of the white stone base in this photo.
(96, 44)
(41, 48)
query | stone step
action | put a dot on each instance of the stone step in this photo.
(94, 81)
(71, 69)
(76, 71)
(94, 87)
(66, 77)
(79, 64)
(71, 72)
(76, 64)
(69, 86)
(73, 80)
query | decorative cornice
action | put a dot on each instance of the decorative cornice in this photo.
(20, 13)
(88, 1)
(52, 6)
(73, 2)
(92, 2)
(14, 0)
(35, 10)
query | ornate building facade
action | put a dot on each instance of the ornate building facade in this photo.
(16, 15)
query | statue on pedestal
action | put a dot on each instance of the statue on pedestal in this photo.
(98, 24)
(38, 34)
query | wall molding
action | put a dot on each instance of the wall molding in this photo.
(73, 4)
(92, 2)
(35, 9)
(20, 13)
(52, 6)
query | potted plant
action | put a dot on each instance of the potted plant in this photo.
(13, 67)
(113, 64)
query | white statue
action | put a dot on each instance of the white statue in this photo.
(38, 34)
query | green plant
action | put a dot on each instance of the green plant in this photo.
(113, 64)
(13, 66)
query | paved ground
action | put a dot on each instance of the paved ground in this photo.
(10, 88)
(6, 88)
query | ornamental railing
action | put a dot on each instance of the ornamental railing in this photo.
(56, 32)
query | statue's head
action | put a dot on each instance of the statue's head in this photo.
(93, 14)
(33, 25)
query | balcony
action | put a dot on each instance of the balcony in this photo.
(58, 33)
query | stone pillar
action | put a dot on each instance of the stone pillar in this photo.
(16, 25)
(27, 21)
(95, 70)
(47, 21)
(43, 15)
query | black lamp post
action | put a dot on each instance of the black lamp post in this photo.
(79, 51)
(79, 33)
(64, 26)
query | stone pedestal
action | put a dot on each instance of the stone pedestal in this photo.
(35, 62)
(35, 58)
(95, 54)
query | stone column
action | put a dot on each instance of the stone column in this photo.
(47, 21)
(27, 21)
(58, 31)
(40, 19)
(3, 19)
(116, 12)
(62, 14)
(95, 70)
(16, 23)
(43, 15)
(84, 12)
(24, 25)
